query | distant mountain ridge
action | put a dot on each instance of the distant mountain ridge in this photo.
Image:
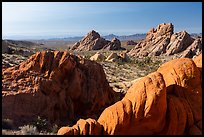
(126, 37)
(137, 36)
(108, 37)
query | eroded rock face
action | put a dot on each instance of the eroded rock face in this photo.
(98, 57)
(83, 127)
(165, 102)
(113, 45)
(55, 85)
(112, 57)
(139, 109)
(93, 41)
(155, 42)
(161, 30)
(198, 61)
(179, 42)
(182, 78)
(194, 49)
(163, 41)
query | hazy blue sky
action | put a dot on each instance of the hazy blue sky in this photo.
(78, 18)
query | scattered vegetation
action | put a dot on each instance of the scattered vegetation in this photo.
(29, 130)
(147, 63)
(41, 123)
(39, 127)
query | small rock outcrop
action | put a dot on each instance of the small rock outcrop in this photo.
(112, 57)
(113, 45)
(163, 41)
(56, 85)
(98, 57)
(124, 57)
(165, 102)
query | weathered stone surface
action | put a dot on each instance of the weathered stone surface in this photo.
(179, 42)
(75, 46)
(161, 30)
(155, 42)
(165, 102)
(182, 79)
(112, 57)
(198, 61)
(194, 49)
(92, 41)
(98, 57)
(141, 107)
(113, 45)
(163, 41)
(141, 111)
(55, 85)
(82, 127)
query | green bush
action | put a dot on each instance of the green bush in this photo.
(41, 123)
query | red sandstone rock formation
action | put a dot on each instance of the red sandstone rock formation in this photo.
(55, 85)
(198, 61)
(167, 102)
(183, 82)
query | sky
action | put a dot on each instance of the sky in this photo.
(64, 19)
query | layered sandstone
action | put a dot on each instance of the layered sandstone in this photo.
(163, 41)
(56, 85)
(165, 102)
(93, 41)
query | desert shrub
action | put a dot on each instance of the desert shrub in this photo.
(29, 130)
(55, 128)
(120, 61)
(147, 63)
(147, 60)
(41, 123)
